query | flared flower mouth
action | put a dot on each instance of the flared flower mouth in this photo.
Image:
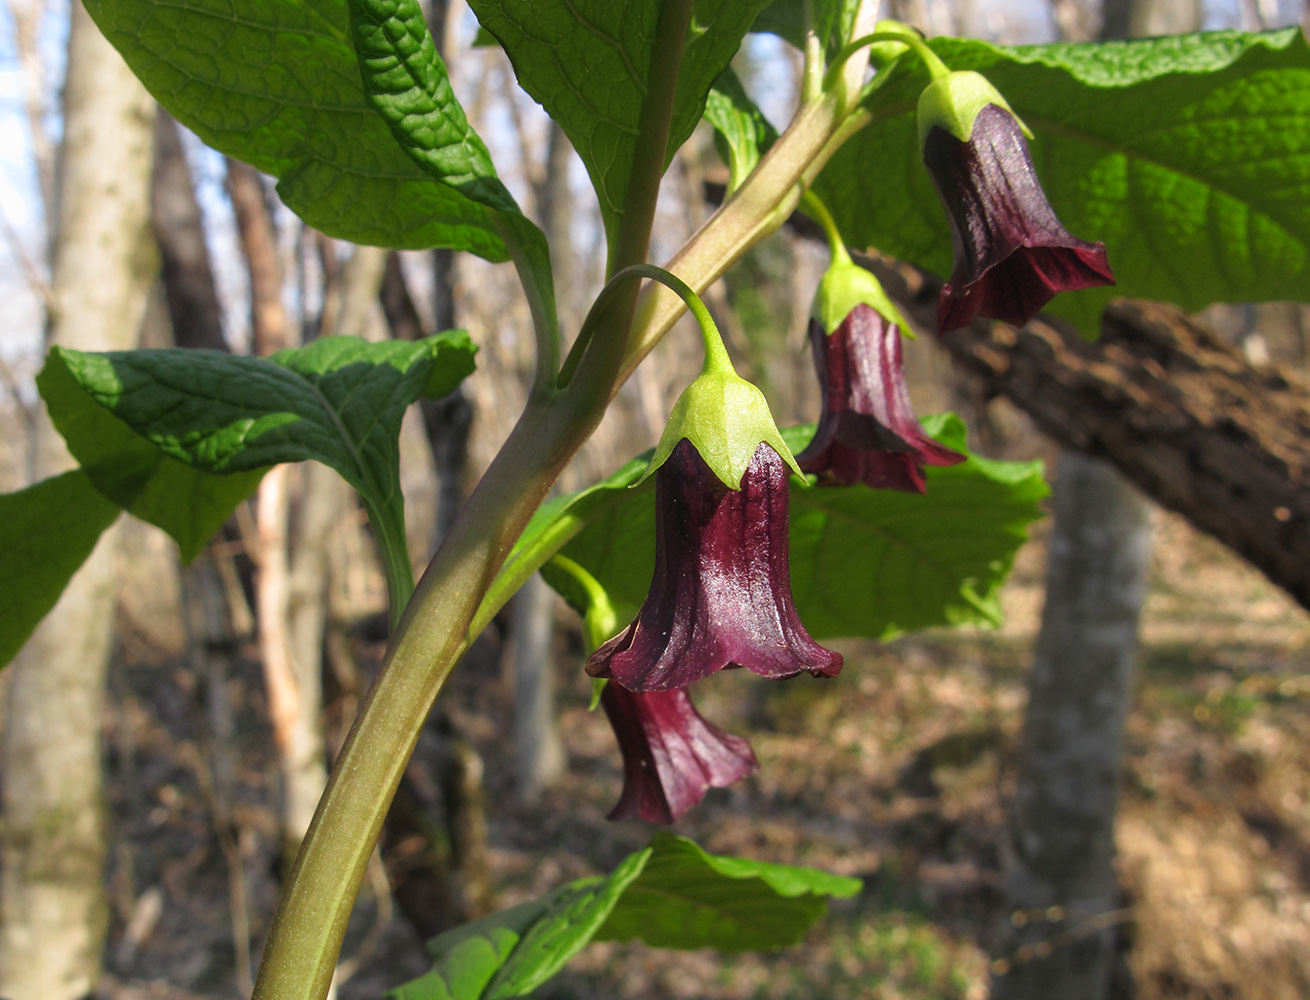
(671, 754)
(721, 593)
(1012, 255)
(867, 431)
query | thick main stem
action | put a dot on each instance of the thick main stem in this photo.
(307, 932)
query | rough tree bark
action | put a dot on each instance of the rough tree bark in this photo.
(52, 906)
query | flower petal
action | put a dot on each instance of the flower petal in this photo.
(1012, 255)
(721, 593)
(671, 754)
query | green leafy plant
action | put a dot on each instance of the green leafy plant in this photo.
(1149, 152)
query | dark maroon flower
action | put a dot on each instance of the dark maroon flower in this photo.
(671, 754)
(721, 594)
(867, 430)
(1011, 253)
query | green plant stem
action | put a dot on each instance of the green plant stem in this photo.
(931, 61)
(600, 622)
(816, 208)
(305, 938)
(812, 72)
(756, 209)
(752, 212)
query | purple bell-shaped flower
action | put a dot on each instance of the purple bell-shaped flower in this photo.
(1012, 255)
(867, 431)
(721, 593)
(671, 754)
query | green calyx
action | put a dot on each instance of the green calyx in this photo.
(720, 413)
(954, 101)
(846, 285)
(726, 419)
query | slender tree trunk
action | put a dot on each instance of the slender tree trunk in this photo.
(52, 905)
(27, 17)
(1058, 860)
(1057, 936)
(185, 267)
(458, 877)
(538, 745)
(291, 655)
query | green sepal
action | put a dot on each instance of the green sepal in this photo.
(846, 285)
(597, 688)
(726, 418)
(954, 101)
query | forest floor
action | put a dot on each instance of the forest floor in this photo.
(895, 772)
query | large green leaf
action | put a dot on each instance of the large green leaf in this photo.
(671, 895)
(686, 898)
(276, 83)
(46, 532)
(511, 953)
(863, 562)
(187, 502)
(209, 416)
(881, 562)
(407, 83)
(587, 62)
(1188, 156)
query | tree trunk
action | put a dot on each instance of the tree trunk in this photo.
(1058, 859)
(291, 655)
(1056, 938)
(52, 906)
(538, 745)
(179, 228)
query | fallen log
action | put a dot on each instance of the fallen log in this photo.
(1176, 409)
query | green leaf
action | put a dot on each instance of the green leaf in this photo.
(408, 84)
(881, 562)
(46, 532)
(863, 562)
(672, 895)
(190, 504)
(833, 21)
(561, 518)
(741, 132)
(587, 62)
(511, 953)
(338, 400)
(277, 84)
(686, 898)
(1189, 157)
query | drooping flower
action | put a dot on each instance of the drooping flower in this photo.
(1012, 255)
(671, 754)
(867, 431)
(721, 593)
